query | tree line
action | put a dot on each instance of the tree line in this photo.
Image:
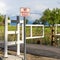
(49, 16)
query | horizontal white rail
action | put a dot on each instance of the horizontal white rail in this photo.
(9, 21)
(14, 42)
(57, 34)
(34, 37)
(11, 42)
(33, 25)
(21, 21)
(13, 32)
(56, 29)
(57, 24)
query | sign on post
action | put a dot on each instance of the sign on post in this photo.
(24, 12)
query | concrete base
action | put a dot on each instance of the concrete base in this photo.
(12, 57)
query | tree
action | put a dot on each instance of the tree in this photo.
(8, 18)
(36, 21)
(52, 17)
(46, 16)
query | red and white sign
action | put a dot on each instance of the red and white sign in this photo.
(24, 12)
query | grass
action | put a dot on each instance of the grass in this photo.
(36, 32)
(58, 29)
(2, 28)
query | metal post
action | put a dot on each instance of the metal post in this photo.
(24, 40)
(23, 32)
(6, 38)
(18, 36)
(31, 31)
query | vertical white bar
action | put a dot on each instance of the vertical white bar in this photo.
(6, 38)
(56, 29)
(31, 31)
(23, 32)
(18, 36)
(43, 30)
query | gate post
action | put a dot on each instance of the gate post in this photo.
(6, 37)
(18, 36)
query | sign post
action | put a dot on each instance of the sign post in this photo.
(25, 12)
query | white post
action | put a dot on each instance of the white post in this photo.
(43, 30)
(56, 29)
(31, 31)
(6, 38)
(23, 32)
(18, 36)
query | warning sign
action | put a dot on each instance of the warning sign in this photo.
(24, 12)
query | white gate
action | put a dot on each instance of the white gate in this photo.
(17, 32)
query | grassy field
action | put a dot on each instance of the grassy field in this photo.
(36, 32)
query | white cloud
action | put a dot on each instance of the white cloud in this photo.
(3, 8)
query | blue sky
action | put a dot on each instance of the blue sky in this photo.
(12, 7)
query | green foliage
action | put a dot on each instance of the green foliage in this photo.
(8, 18)
(46, 16)
(51, 16)
(46, 40)
(36, 21)
(1, 20)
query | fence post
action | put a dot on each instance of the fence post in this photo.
(22, 31)
(6, 37)
(18, 36)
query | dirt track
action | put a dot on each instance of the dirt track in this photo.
(39, 52)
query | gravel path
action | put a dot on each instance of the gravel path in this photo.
(40, 50)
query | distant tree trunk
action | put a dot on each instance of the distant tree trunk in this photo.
(52, 35)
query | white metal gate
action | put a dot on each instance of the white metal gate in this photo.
(18, 41)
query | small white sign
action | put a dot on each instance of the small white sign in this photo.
(24, 12)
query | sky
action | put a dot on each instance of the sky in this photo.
(12, 7)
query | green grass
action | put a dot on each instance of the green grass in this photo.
(58, 29)
(11, 28)
(36, 31)
(1, 27)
